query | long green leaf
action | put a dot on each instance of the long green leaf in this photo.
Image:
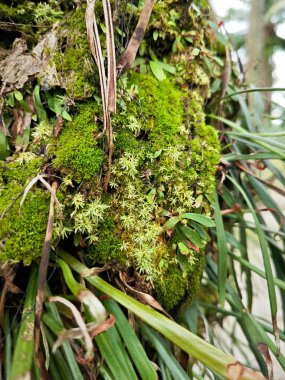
(210, 356)
(66, 347)
(174, 367)
(132, 343)
(223, 251)
(24, 348)
(265, 254)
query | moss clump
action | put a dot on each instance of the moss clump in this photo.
(108, 247)
(77, 152)
(171, 288)
(157, 170)
(160, 111)
(73, 60)
(125, 141)
(204, 147)
(22, 232)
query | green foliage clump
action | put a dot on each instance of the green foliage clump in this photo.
(76, 151)
(22, 231)
(171, 287)
(204, 147)
(162, 108)
(108, 246)
(73, 60)
(158, 171)
(165, 159)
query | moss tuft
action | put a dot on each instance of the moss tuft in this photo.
(171, 288)
(73, 60)
(108, 247)
(22, 232)
(77, 152)
(160, 110)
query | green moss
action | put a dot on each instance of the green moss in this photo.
(22, 232)
(19, 13)
(108, 247)
(125, 141)
(77, 152)
(205, 147)
(73, 60)
(171, 288)
(20, 173)
(160, 110)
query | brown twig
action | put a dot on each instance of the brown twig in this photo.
(266, 183)
(107, 83)
(43, 276)
(137, 37)
(112, 73)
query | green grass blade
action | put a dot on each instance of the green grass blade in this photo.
(210, 356)
(253, 268)
(24, 347)
(58, 358)
(105, 373)
(66, 347)
(132, 343)
(115, 355)
(253, 156)
(265, 254)
(157, 342)
(223, 251)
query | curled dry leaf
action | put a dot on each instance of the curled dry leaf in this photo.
(144, 297)
(236, 371)
(21, 65)
(76, 333)
(263, 349)
(94, 271)
(95, 307)
(79, 320)
(103, 326)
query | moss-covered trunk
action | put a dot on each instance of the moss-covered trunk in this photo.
(150, 225)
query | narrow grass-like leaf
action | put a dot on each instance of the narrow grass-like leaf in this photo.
(157, 342)
(265, 254)
(132, 343)
(253, 156)
(58, 358)
(24, 347)
(210, 356)
(262, 141)
(115, 355)
(263, 89)
(261, 273)
(223, 251)
(66, 347)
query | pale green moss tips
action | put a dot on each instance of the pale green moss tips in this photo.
(165, 157)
